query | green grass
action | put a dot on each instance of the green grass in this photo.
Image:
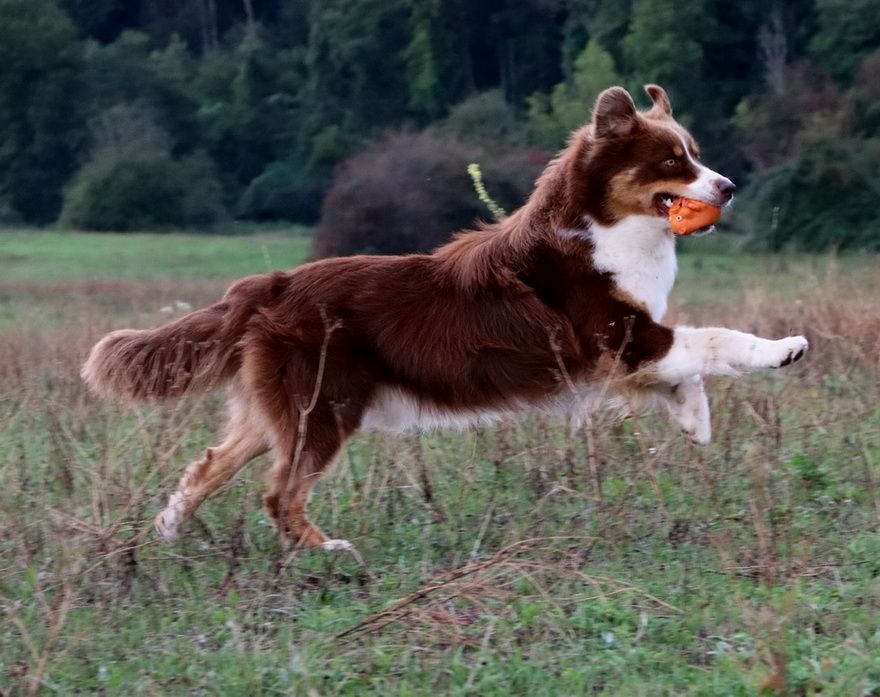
(32, 256)
(752, 564)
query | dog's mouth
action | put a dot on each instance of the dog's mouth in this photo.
(663, 202)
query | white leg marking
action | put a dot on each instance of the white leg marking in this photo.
(714, 351)
(689, 408)
(168, 522)
(343, 546)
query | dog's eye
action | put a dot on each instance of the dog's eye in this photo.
(671, 162)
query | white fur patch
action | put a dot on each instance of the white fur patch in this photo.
(716, 351)
(689, 408)
(639, 252)
(703, 187)
(168, 522)
(396, 410)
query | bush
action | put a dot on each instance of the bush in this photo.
(283, 191)
(485, 119)
(769, 125)
(411, 192)
(140, 191)
(825, 197)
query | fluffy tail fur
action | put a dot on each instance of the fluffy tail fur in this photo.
(191, 354)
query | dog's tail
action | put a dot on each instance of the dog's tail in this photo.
(192, 354)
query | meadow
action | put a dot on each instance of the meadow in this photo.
(521, 559)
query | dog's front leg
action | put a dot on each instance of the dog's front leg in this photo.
(716, 351)
(689, 408)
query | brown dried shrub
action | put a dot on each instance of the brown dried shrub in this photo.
(411, 192)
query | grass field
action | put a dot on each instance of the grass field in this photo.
(49, 257)
(516, 560)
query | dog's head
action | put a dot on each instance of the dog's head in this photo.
(647, 159)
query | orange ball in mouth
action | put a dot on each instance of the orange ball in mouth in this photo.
(687, 215)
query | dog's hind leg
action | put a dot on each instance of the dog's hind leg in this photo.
(245, 440)
(311, 390)
(296, 471)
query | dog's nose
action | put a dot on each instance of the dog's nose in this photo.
(725, 187)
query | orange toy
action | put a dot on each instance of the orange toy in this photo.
(687, 215)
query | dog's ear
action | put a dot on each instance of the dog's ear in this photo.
(614, 113)
(658, 95)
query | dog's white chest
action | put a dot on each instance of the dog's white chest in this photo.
(639, 253)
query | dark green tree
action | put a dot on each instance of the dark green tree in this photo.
(129, 70)
(249, 108)
(357, 77)
(41, 125)
(659, 49)
(102, 20)
(434, 73)
(846, 31)
(553, 116)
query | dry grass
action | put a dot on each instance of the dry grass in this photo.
(514, 560)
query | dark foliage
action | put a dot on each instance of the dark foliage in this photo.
(143, 192)
(825, 197)
(411, 192)
(277, 93)
(816, 182)
(41, 126)
(283, 191)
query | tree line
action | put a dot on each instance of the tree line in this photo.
(158, 114)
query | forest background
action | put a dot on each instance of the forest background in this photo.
(159, 114)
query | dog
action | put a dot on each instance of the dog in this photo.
(555, 305)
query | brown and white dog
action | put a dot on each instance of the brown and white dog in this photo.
(557, 303)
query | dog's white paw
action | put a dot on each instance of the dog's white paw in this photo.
(337, 546)
(699, 438)
(689, 407)
(760, 354)
(701, 434)
(167, 526)
(787, 351)
(168, 522)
